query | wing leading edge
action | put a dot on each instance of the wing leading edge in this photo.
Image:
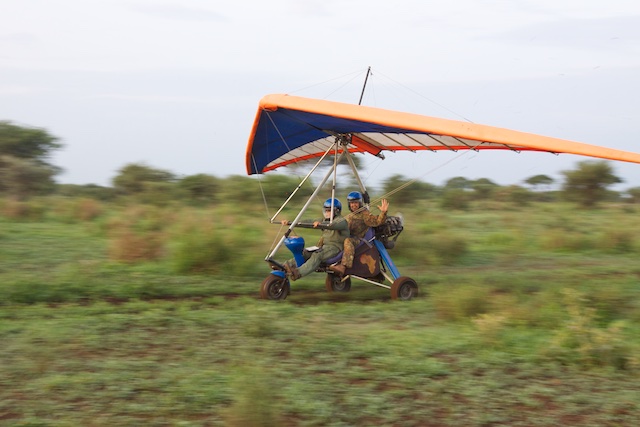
(288, 129)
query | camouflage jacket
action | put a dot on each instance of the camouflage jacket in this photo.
(359, 222)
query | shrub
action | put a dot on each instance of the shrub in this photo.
(457, 199)
(460, 302)
(616, 241)
(138, 234)
(128, 245)
(14, 209)
(579, 341)
(88, 209)
(565, 240)
(514, 194)
(489, 327)
(448, 248)
(200, 250)
(72, 210)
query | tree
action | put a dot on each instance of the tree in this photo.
(91, 191)
(20, 178)
(241, 190)
(457, 183)
(634, 194)
(539, 181)
(135, 178)
(514, 194)
(483, 188)
(588, 183)
(26, 142)
(24, 153)
(455, 198)
(417, 190)
(200, 188)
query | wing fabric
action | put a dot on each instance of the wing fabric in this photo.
(289, 129)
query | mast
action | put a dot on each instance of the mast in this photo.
(365, 193)
(365, 84)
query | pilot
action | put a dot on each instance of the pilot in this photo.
(331, 242)
(360, 219)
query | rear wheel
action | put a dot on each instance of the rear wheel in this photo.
(404, 288)
(334, 283)
(275, 287)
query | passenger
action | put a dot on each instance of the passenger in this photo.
(360, 219)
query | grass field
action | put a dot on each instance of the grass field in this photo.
(134, 315)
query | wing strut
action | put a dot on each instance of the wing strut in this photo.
(301, 184)
(365, 194)
(315, 193)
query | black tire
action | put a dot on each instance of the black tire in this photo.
(404, 288)
(275, 288)
(334, 283)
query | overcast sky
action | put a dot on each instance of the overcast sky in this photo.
(175, 84)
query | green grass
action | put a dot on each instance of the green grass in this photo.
(246, 362)
(510, 331)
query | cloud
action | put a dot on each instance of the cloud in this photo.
(179, 12)
(621, 32)
(20, 90)
(18, 38)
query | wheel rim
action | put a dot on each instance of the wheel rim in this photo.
(274, 288)
(406, 291)
(404, 288)
(277, 289)
(339, 285)
(335, 283)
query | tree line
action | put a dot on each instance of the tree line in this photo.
(26, 171)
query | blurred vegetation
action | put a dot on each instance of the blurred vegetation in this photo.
(118, 311)
(587, 184)
(24, 166)
(138, 304)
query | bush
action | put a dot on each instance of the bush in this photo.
(460, 302)
(131, 246)
(455, 199)
(579, 341)
(514, 194)
(447, 248)
(565, 240)
(489, 327)
(138, 234)
(616, 241)
(72, 210)
(31, 210)
(200, 250)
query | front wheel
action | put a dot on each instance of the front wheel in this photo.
(275, 288)
(404, 288)
(334, 283)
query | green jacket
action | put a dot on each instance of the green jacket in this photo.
(335, 233)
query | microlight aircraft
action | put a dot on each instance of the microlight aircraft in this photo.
(290, 129)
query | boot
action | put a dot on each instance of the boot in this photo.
(292, 272)
(338, 268)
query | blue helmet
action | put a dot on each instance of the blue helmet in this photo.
(336, 204)
(354, 196)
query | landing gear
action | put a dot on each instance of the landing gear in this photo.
(334, 283)
(275, 287)
(404, 288)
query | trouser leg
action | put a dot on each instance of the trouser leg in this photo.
(349, 252)
(316, 258)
